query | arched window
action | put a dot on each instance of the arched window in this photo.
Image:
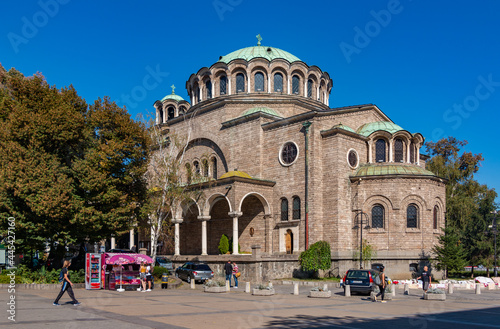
(398, 150)
(309, 88)
(284, 210)
(198, 96)
(240, 83)
(214, 168)
(378, 216)
(380, 151)
(223, 85)
(188, 173)
(412, 153)
(295, 85)
(170, 113)
(196, 166)
(205, 167)
(278, 82)
(259, 82)
(412, 216)
(435, 217)
(208, 86)
(160, 116)
(296, 208)
(182, 110)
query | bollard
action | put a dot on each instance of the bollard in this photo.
(270, 285)
(247, 287)
(325, 287)
(450, 288)
(193, 286)
(296, 289)
(228, 284)
(407, 289)
(478, 288)
(491, 286)
(347, 290)
(393, 289)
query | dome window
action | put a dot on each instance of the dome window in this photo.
(171, 113)
(380, 151)
(240, 83)
(223, 85)
(378, 216)
(259, 81)
(295, 85)
(398, 150)
(208, 85)
(309, 88)
(278, 82)
(352, 158)
(288, 154)
(412, 216)
(160, 116)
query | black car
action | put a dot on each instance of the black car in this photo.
(194, 271)
(360, 280)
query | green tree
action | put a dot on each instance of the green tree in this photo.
(451, 255)
(317, 257)
(68, 172)
(223, 244)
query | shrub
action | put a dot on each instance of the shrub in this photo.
(317, 257)
(223, 244)
(158, 272)
(214, 283)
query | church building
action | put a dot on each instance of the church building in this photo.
(286, 170)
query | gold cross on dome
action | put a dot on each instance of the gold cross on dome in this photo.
(259, 39)
(173, 89)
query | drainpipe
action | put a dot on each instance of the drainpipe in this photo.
(306, 126)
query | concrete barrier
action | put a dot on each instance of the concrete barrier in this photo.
(296, 289)
(478, 288)
(347, 290)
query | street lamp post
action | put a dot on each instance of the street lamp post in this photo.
(359, 222)
(494, 230)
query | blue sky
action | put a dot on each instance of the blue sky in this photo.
(431, 66)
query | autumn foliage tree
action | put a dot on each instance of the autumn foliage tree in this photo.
(69, 172)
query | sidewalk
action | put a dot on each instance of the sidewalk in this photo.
(186, 308)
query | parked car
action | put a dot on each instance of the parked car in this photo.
(165, 263)
(194, 271)
(360, 280)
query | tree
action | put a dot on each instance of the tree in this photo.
(450, 252)
(317, 257)
(223, 245)
(168, 188)
(68, 172)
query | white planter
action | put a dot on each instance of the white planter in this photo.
(215, 289)
(434, 296)
(320, 294)
(263, 292)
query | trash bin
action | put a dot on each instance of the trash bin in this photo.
(164, 281)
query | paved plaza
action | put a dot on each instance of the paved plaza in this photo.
(186, 308)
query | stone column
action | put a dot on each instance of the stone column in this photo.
(113, 244)
(391, 148)
(288, 90)
(204, 220)
(131, 242)
(269, 84)
(370, 151)
(235, 215)
(228, 91)
(177, 248)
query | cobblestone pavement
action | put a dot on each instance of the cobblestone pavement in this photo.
(186, 308)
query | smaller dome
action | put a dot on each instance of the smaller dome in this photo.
(369, 128)
(236, 173)
(261, 109)
(250, 53)
(173, 96)
(341, 126)
(392, 169)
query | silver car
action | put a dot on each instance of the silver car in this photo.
(194, 271)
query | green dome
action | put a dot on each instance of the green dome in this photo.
(249, 53)
(261, 109)
(174, 97)
(341, 126)
(392, 169)
(369, 128)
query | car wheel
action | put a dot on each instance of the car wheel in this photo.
(188, 279)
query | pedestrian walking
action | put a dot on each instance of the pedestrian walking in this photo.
(381, 285)
(142, 276)
(426, 279)
(236, 274)
(67, 285)
(149, 276)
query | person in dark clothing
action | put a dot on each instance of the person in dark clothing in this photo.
(381, 286)
(426, 279)
(228, 268)
(66, 286)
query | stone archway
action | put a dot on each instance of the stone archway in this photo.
(190, 230)
(252, 221)
(219, 223)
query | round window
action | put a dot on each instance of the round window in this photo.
(289, 153)
(352, 158)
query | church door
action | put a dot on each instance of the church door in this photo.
(289, 241)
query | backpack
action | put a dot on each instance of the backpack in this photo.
(61, 276)
(377, 280)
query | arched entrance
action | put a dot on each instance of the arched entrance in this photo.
(219, 223)
(190, 230)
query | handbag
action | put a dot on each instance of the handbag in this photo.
(237, 274)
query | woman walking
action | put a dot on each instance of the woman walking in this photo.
(66, 286)
(142, 272)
